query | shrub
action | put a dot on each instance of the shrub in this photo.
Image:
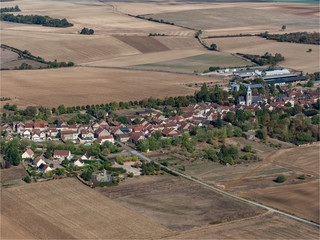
(27, 179)
(280, 179)
(302, 177)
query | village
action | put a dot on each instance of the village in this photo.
(167, 120)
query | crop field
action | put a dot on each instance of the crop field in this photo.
(197, 63)
(296, 55)
(67, 209)
(266, 226)
(177, 203)
(84, 85)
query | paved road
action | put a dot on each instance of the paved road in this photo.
(134, 152)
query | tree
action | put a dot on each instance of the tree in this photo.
(27, 179)
(86, 175)
(261, 134)
(60, 171)
(310, 83)
(280, 179)
(213, 46)
(309, 50)
(283, 27)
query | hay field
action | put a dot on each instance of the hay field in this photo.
(296, 55)
(197, 63)
(176, 203)
(267, 226)
(67, 209)
(87, 85)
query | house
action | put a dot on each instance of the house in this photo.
(45, 168)
(86, 156)
(136, 137)
(38, 161)
(241, 101)
(36, 136)
(249, 135)
(101, 132)
(122, 137)
(86, 134)
(69, 135)
(61, 154)
(28, 154)
(103, 139)
(79, 163)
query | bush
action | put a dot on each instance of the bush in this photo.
(27, 179)
(302, 177)
(280, 179)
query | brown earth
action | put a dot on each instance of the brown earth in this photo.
(84, 85)
(143, 44)
(176, 203)
(267, 226)
(300, 199)
(67, 209)
(12, 176)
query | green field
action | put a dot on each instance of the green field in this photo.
(197, 63)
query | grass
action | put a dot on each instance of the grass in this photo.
(272, 171)
(197, 63)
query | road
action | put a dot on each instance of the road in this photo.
(134, 152)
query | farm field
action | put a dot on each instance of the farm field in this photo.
(230, 16)
(177, 203)
(300, 199)
(266, 226)
(68, 86)
(63, 209)
(296, 55)
(12, 176)
(197, 63)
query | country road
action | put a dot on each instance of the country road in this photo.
(134, 152)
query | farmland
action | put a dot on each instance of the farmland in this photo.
(269, 226)
(62, 209)
(296, 55)
(197, 63)
(25, 88)
(166, 200)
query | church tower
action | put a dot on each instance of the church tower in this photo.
(249, 96)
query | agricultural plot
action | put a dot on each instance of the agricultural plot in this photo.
(12, 176)
(266, 226)
(234, 17)
(197, 63)
(98, 85)
(176, 203)
(67, 209)
(296, 55)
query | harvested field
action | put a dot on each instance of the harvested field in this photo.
(296, 55)
(234, 17)
(300, 199)
(84, 85)
(143, 44)
(176, 203)
(308, 162)
(67, 47)
(12, 176)
(67, 209)
(197, 63)
(268, 226)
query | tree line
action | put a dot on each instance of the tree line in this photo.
(10, 9)
(36, 19)
(297, 37)
(265, 59)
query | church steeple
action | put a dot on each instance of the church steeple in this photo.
(249, 96)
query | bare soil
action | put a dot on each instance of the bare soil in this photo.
(67, 209)
(267, 226)
(12, 176)
(177, 203)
